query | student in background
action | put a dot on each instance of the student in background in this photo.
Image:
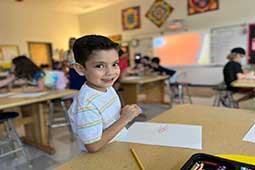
(68, 55)
(233, 71)
(96, 116)
(146, 62)
(24, 68)
(174, 75)
(137, 69)
(54, 79)
(123, 63)
(155, 63)
(75, 80)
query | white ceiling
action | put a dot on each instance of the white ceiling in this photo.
(67, 6)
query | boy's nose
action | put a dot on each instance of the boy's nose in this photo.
(110, 71)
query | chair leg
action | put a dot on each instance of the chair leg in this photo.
(180, 93)
(188, 93)
(7, 130)
(233, 103)
(170, 96)
(8, 134)
(67, 119)
(220, 97)
(20, 145)
(215, 101)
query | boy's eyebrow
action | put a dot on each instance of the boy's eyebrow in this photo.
(103, 62)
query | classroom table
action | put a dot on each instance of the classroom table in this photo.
(222, 133)
(244, 83)
(152, 86)
(34, 117)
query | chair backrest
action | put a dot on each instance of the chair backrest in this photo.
(177, 76)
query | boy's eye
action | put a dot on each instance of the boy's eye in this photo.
(115, 65)
(100, 66)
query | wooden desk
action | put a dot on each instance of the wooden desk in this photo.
(244, 83)
(223, 130)
(34, 117)
(153, 87)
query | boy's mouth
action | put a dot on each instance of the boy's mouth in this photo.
(109, 80)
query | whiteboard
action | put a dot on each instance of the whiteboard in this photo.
(223, 39)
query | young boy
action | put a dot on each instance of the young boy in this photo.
(95, 114)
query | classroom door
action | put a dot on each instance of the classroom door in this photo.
(41, 53)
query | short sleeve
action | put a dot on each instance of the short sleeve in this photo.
(38, 76)
(238, 68)
(89, 125)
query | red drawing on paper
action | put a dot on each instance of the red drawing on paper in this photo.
(162, 129)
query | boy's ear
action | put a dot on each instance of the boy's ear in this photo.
(79, 69)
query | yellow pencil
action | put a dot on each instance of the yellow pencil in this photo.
(137, 159)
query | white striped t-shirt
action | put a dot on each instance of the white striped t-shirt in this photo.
(91, 112)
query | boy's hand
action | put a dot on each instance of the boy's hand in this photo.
(129, 112)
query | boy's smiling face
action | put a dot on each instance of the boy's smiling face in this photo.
(101, 69)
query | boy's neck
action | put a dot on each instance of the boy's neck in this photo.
(91, 85)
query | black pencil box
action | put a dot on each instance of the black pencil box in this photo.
(228, 164)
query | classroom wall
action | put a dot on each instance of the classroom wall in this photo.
(20, 23)
(108, 22)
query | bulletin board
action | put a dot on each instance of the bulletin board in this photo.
(8, 52)
(223, 39)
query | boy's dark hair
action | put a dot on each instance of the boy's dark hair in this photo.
(155, 60)
(238, 50)
(85, 46)
(25, 68)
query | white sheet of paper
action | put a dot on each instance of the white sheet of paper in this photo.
(6, 94)
(175, 135)
(250, 135)
(21, 95)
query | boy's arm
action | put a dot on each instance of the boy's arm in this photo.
(107, 136)
(129, 112)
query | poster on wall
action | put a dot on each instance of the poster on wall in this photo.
(8, 52)
(159, 12)
(131, 18)
(201, 6)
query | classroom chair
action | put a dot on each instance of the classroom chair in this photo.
(178, 88)
(11, 135)
(58, 106)
(224, 97)
(182, 89)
